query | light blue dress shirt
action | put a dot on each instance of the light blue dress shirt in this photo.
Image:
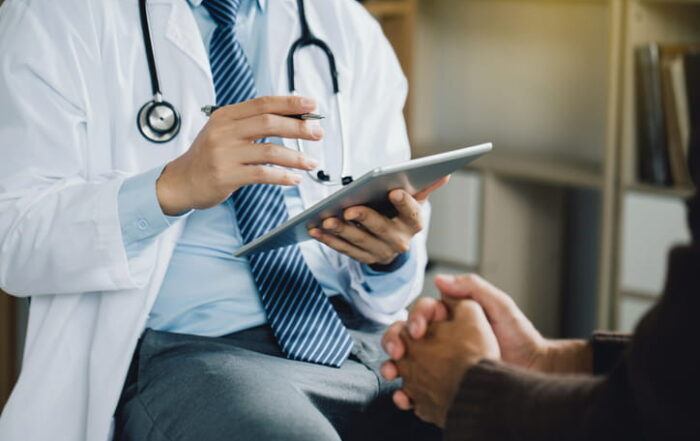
(207, 291)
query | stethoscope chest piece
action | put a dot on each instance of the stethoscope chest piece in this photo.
(158, 121)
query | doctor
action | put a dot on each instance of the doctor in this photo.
(120, 223)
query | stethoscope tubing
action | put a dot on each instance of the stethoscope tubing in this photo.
(308, 39)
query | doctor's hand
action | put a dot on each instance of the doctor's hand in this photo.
(372, 238)
(225, 155)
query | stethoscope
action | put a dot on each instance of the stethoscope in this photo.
(308, 39)
(159, 121)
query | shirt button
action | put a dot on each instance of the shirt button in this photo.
(142, 224)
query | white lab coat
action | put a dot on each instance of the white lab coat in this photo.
(73, 75)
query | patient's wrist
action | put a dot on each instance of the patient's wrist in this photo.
(568, 357)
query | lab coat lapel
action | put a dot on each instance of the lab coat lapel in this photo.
(182, 31)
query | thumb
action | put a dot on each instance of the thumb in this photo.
(456, 287)
(495, 302)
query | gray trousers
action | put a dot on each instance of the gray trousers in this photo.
(241, 387)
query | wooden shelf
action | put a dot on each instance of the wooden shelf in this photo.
(675, 192)
(670, 2)
(639, 295)
(389, 8)
(542, 169)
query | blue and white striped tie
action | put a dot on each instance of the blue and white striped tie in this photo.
(302, 318)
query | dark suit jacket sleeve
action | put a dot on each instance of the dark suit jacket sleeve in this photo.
(651, 393)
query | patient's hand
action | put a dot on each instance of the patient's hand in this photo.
(520, 343)
(433, 366)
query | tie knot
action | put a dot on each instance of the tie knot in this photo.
(223, 11)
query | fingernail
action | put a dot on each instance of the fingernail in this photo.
(385, 372)
(391, 349)
(296, 179)
(413, 329)
(399, 196)
(314, 233)
(308, 102)
(351, 215)
(311, 163)
(447, 278)
(316, 129)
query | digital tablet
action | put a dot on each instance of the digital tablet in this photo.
(371, 190)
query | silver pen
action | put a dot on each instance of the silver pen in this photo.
(208, 110)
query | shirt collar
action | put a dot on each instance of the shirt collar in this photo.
(262, 4)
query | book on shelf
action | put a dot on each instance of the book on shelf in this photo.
(652, 159)
(664, 123)
(692, 77)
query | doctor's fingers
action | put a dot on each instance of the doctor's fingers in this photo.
(261, 174)
(395, 234)
(342, 246)
(269, 125)
(361, 239)
(278, 105)
(410, 210)
(274, 154)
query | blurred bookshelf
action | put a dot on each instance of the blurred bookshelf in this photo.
(551, 83)
(681, 192)
(542, 169)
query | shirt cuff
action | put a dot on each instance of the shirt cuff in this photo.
(140, 214)
(378, 269)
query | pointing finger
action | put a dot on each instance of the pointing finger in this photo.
(278, 105)
(269, 125)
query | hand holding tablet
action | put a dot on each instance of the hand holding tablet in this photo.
(371, 190)
(371, 237)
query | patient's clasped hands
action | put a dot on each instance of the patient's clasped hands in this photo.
(441, 340)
